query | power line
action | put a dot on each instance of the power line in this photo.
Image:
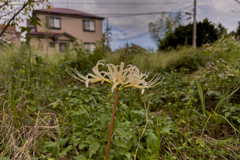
(134, 14)
(152, 10)
(135, 30)
(232, 6)
(215, 11)
(145, 26)
(144, 34)
(138, 36)
(142, 26)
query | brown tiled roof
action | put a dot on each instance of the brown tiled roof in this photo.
(10, 28)
(42, 33)
(55, 36)
(64, 11)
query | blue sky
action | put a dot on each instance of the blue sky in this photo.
(128, 27)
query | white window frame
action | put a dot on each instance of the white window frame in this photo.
(53, 22)
(90, 47)
(89, 26)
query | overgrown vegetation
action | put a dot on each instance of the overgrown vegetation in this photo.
(193, 114)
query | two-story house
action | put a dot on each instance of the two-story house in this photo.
(60, 27)
(10, 35)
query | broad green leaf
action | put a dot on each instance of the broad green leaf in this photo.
(238, 120)
(103, 119)
(122, 132)
(80, 157)
(93, 148)
(151, 139)
(120, 144)
(227, 114)
(81, 146)
(128, 155)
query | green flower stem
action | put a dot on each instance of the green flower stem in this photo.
(111, 126)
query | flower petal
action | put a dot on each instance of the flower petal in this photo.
(114, 85)
(87, 81)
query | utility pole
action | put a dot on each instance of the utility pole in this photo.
(194, 24)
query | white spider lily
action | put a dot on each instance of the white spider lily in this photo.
(118, 77)
(98, 77)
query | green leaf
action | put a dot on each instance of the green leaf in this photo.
(234, 108)
(235, 117)
(81, 146)
(151, 139)
(67, 149)
(80, 157)
(103, 119)
(225, 96)
(63, 141)
(128, 155)
(227, 114)
(120, 144)
(93, 148)
(122, 132)
(4, 158)
(238, 120)
(200, 142)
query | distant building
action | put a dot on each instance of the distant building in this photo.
(10, 35)
(60, 27)
(133, 48)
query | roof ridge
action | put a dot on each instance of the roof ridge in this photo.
(69, 12)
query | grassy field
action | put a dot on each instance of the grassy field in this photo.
(194, 114)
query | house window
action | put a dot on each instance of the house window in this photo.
(63, 46)
(89, 47)
(52, 44)
(54, 22)
(89, 26)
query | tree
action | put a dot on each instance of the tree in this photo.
(13, 11)
(182, 35)
(164, 26)
(238, 29)
(221, 30)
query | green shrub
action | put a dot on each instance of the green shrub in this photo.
(190, 62)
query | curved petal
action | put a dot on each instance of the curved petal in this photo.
(114, 86)
(143, 90)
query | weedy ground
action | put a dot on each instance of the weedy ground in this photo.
(193, 114)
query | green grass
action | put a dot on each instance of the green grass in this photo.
(46, 114)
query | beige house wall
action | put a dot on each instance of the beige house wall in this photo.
(74, 27)
(44, 44)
